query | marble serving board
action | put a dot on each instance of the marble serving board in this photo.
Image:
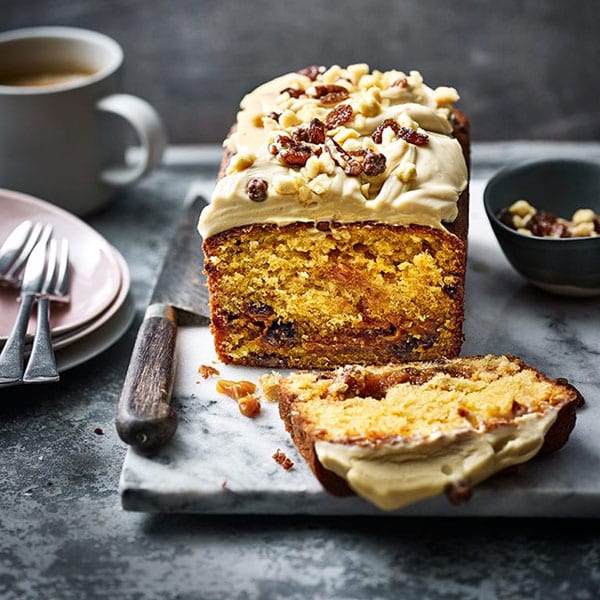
(220, 462)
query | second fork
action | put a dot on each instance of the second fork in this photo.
(41, 367)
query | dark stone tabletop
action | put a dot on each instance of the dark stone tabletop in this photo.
(63, 533)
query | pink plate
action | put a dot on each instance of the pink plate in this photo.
(74, 335)
(95, 272)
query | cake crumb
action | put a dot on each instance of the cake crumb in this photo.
(281, 459)
(224, 484)
(206, 371)
(268, 385)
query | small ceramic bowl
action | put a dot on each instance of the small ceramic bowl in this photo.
(568, 266)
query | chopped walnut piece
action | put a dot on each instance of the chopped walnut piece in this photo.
(330, 94)
(295, 157)
(340, 115)
(268, 383)
(240, 162)
(344, 160)
(333, 98)
(313, 134)
(281, 459)
(377, 135)
(409, 135)
(323, 90)
(401, 82)
(290, 152)
(206, 371)
(312, 72)
(293, 92)
(413, 137)
(583, 215)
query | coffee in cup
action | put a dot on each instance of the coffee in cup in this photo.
(47, 76)
(60, 90)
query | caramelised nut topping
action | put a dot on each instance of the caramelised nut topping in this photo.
(405, 133)
(342, 158)
(330, 94)
(312, 72)
(293, 92)
(349, 144)
(290, 152)
(340, 115)
(313, 134)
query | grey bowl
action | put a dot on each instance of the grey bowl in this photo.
(569, 266)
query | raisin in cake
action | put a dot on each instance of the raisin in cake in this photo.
(396, 434)
(337, 229)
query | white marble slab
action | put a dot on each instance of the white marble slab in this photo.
(221, 462)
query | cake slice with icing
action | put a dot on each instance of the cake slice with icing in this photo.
(397, 434)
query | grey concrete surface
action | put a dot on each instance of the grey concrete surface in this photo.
(526, 69)
(63, 534)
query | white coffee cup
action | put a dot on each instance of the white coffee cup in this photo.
(57, 87)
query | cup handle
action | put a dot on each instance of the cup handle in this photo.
(149, 129)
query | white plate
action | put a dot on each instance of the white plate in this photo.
(95, 272)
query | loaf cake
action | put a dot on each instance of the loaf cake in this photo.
(396, 434)
(337, 228)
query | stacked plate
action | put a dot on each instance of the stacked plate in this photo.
(100, 310)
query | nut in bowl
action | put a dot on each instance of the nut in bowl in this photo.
(557, 190)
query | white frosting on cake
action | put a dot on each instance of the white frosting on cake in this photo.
(421, 182)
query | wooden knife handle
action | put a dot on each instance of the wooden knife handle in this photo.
(145, 418)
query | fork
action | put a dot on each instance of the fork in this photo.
(12, 355)
(41, 367)
(16, 250)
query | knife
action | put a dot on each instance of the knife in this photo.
(145, 418)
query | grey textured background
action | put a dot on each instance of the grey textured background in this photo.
(526, 69)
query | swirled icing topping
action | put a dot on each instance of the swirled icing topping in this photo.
(346, 145)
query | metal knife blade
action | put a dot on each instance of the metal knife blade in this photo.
(145, 418)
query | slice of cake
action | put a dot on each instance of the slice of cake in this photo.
(397, 434)
(337, 229)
